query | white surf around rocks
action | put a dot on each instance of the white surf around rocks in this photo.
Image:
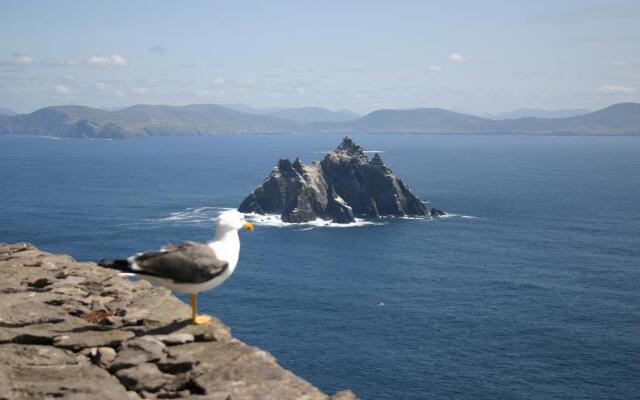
(275, 221)
(206, 215)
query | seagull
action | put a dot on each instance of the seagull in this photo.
(190, 267)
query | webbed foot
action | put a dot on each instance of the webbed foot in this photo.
(202, 320)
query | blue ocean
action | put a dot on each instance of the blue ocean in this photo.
(530, 289)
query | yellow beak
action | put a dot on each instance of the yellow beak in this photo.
(248, 226)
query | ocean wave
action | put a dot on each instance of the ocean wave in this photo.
(364, 151)
(275, 221)
(422, 218)
(430, 218)
(191, 215)
(208, 215)
(451, 215)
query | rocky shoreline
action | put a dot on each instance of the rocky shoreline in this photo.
(73, 330)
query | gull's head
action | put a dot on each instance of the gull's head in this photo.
(233, 219)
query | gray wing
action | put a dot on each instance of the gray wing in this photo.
(188, 262)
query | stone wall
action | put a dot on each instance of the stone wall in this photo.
(76, 331)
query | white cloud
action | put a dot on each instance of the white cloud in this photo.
(457, 58)
(434, 68)
(140, 91)
(109, 61)
(22, 60)
(101, 86)
(301, 90)
(219, 81)
(615, 89)
(61, 89)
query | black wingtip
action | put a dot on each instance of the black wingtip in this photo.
(121, 265)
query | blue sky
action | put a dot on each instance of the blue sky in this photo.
(473, 56)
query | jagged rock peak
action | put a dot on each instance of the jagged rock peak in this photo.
(284, 164)
(377, 160)
(345, 184)
(348, 152)
(298, 165)
(349, 146)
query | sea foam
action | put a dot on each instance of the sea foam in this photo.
(208, 215)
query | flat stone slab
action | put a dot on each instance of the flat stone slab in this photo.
(80, 340)
(137, 351)
(144, 377)
(45, 372)
(77, 331)
(176, 338)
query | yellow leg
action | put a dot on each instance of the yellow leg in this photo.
(194, 307)
(195, 318)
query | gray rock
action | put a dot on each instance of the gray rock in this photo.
(131, 395)
(26, 308)
(296, 191)
(344, 395)
(166, 356)
(214, 331)
(39, 333)
(80, 340)
(145, 377)
(138, 351)
(104, 356)
(40, 283)
(223, 367)
(437, 213)
(211, 396)
(345, 184)
(44, 372)
(339, 209)
(176, 338)
(135, 316)
(149, 344)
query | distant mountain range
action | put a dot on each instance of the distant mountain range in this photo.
(209, 119)
(301, 115)
(6, 111)
(538, 113)
(141, 120)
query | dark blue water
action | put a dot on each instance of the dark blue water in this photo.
(536, 298)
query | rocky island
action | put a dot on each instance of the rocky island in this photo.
(344, 185)
(71, 330)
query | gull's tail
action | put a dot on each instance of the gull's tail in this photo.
(120, 265)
